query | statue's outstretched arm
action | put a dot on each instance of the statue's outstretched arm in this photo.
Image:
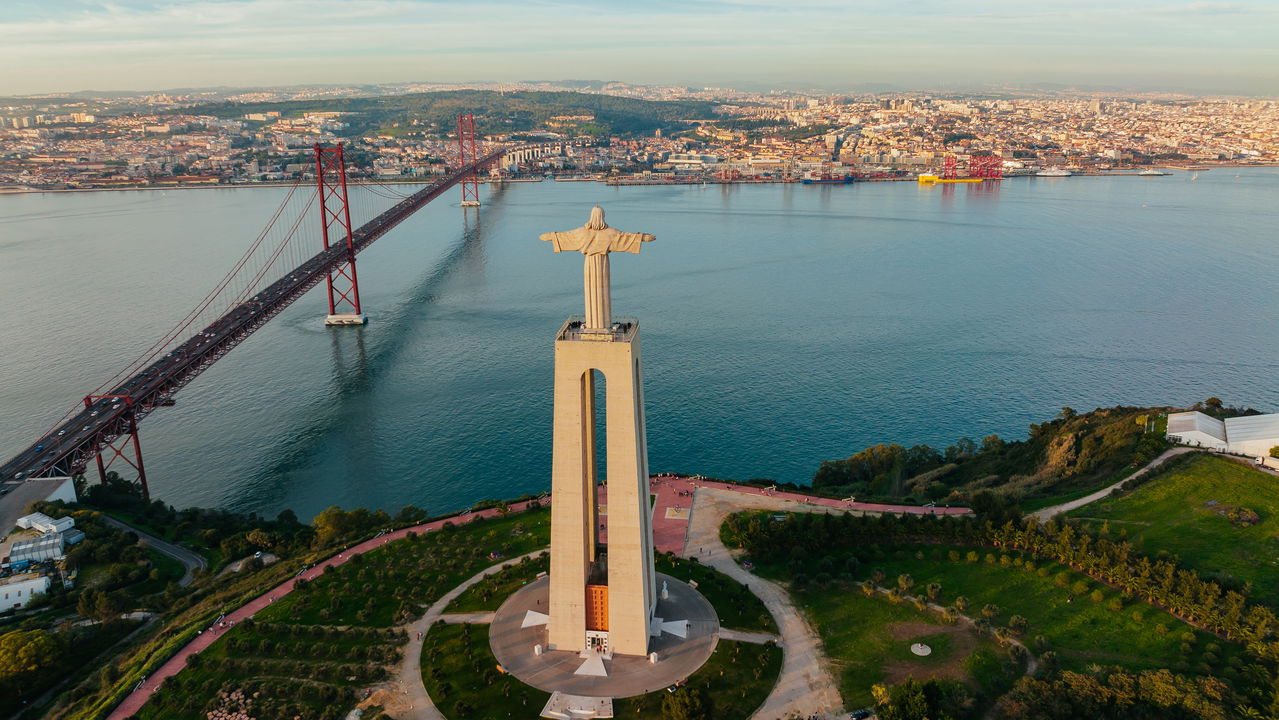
(562, 241)
(630, 242)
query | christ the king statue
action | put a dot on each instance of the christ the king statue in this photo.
(596, 240)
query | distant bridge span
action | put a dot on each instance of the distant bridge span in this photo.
(108, 418)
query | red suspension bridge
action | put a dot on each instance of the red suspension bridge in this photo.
(277, 269)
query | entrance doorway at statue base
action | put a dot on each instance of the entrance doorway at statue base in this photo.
(682, 636)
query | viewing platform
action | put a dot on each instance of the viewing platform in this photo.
(621, 330)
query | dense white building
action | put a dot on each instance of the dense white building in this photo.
(19, 590)
(1252, 435)
(42, 523)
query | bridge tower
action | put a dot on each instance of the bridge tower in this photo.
(467, 155)
(117, 436)
(335, 226)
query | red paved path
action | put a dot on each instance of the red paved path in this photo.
(668, 536)
(135, 700)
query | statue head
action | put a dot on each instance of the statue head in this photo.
(597, 219)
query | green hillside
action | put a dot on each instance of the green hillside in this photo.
(436, 113)
(1071, 453)
(1221, 517)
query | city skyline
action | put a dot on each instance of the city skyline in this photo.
(76, 45)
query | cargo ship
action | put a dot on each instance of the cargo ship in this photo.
(828, 180)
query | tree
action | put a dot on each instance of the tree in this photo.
(913, 700)
(28, 652)
(686, 704)
(261, 538)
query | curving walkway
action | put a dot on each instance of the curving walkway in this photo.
(134, 701)
(413, 702)
(1049, 512)
(190, 559)
(805, 682)
(806, 688)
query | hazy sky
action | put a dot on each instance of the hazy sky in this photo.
(1205, 45)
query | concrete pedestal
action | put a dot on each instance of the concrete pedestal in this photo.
(346, 319)
(631, 595)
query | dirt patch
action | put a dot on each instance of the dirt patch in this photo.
(963, 642)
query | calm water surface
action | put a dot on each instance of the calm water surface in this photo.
(782, 325)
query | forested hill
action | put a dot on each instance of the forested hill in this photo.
(1071, 453)
(494, 112)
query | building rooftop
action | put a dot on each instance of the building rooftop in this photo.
(1195, 421)
(1249, 427)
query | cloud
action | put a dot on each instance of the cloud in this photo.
(76, 44)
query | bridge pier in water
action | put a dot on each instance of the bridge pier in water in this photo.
(335, 215)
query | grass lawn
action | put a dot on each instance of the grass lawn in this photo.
(737, 678)
(458, 668)
(488, 594)
(868, 642)
(399, 580)
(1032, 504)
(1172, 512)
(170, 571)
(1082, 631)
(737, 607)
(308, 653)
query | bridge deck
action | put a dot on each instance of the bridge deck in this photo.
(68, 448)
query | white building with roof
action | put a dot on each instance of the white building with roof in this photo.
(42, 523)
(19, 590)
(1195, 428)
(1252, 435)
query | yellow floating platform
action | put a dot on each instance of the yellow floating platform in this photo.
(933, 180)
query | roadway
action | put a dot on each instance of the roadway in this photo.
(190, 559)
(67, 448)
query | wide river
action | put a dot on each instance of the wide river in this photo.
(783, 325)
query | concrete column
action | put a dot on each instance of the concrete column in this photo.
(574, 522)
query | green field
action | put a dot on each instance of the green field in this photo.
(737, 607)
(737, 678)
(1081, 630)
(1172, 512)
(309, 653)
(488, 594)
(399, 581)
(868, 642)
(461, 676)
(310, 671)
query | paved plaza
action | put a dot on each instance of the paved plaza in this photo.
(554, 670)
